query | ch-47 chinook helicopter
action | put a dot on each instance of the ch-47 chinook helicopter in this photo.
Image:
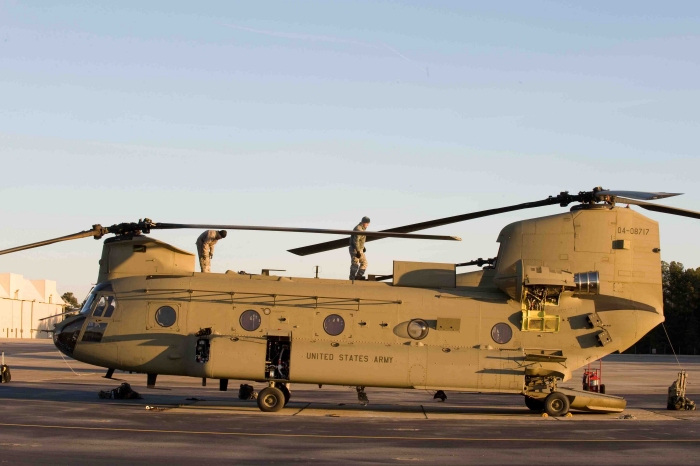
(564, 290)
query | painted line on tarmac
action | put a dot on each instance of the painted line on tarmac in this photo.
(351, 437)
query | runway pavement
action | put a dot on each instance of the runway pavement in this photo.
(51, 413)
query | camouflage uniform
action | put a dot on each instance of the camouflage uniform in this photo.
(358, 265)
(205, 248)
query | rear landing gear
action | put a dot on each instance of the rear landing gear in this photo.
(534, 404)
(556, 404)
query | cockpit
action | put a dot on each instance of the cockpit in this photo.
(100, 304)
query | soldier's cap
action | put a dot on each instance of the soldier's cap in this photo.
(365, 219)
(223, 233)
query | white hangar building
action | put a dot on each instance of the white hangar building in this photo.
(23, 305)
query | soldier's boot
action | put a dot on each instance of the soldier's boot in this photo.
(353, 271)
(360, 275)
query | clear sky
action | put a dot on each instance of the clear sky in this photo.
(314, 114)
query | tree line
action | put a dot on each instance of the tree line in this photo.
(681, 288)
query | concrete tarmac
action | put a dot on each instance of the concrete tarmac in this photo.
(51, 413)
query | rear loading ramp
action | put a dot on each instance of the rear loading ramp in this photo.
(595, 402)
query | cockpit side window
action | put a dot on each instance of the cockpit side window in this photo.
(105, 306)
(111, 306)
(100, 308)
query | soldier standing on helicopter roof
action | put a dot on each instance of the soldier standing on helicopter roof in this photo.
(357, 252)
(205, 247)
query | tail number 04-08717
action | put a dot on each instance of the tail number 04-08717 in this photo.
(633, 231)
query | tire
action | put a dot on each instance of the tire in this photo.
(5, 374)
(556, 404)
(602, 389)
(270, 400)
(534, 404)
(285, 391)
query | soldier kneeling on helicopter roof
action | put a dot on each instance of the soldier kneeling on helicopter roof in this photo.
(205, 247)
(358, 260)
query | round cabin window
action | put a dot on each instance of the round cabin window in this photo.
(166, 316)
(250, 320)
(334, 325)
(418, 329)
(501, 333)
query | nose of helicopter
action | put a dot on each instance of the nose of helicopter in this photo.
(66, 334)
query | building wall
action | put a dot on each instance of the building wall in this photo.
(23, 305)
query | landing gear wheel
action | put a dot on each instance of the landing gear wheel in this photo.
(534, 404)
(556, 404)
(602, 389)
(270, 399)
(285, 391)
(5, 375)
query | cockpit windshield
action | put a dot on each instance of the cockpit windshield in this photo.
(90, 300)
(88, 303)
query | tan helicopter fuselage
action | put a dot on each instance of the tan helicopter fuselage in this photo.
(530, 316)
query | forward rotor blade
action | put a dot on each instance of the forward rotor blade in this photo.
(82, 234)
(660, 208)
(368, 234)
(340, 243)
(74, 311)
(640, 195)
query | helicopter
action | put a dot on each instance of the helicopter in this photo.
(563, 291)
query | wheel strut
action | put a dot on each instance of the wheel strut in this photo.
(362, 396)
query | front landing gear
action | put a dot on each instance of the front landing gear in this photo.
(284, 388)
(271, 399)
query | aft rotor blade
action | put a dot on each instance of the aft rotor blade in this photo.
(660, 208)
(478, 262)
(340, 243)
(82, 234)
(368, 234)
(639, 195)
